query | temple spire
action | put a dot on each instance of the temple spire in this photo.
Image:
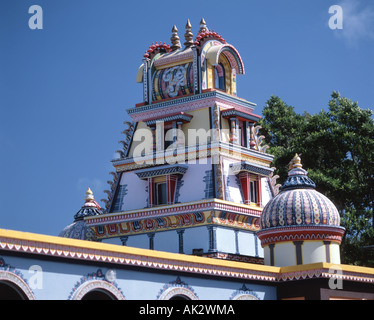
(203, 27)
(188, 35)
(175, 43)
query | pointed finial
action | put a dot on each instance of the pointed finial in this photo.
(188, 35)
(203, 27)
(175, 43)
(89, 195)
(295, 162)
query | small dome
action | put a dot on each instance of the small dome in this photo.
(299, 207)
(78, 229)
(301, 210)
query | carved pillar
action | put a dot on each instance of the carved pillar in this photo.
(146, 81)
(252, 143)
(151, 193)
(234, 130)
(153, 130)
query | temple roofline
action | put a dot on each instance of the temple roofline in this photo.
(64, 248)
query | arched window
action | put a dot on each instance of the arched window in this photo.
(180, 297)
(9, 291)
(13, 287)
(98, 294)
(219, 77)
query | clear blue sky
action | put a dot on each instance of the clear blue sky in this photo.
(64, 89)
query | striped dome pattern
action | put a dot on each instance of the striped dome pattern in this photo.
(299, 207)
(298, 204)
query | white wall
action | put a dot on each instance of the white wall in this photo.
(284, 254)
(193, 187)
(232, 189)
(313, 251)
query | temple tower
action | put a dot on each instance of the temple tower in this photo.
(192, 176)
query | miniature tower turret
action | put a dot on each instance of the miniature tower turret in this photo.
(300, 225)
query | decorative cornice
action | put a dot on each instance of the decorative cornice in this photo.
(174, 209)
(173, 57)
(327, 271)
(240, 114)
(189, 103)
(188, 153)
(176, 222)
(250, 167)
(162, 171)
(175, 117)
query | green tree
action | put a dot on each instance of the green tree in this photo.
(337, 149)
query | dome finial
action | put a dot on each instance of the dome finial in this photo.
(175, 43)
(295, 162)
(188, 35)
(89, 195)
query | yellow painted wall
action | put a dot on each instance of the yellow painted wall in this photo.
(147, 143)
(210, 76)
(200, 120)
(225, 130)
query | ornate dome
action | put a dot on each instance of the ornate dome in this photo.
(78, 229)
(299, 212)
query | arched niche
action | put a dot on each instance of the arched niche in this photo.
(13, 287)
(97, 290)
(178, 293)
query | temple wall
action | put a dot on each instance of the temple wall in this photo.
(65, 278)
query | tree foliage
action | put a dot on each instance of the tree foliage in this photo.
(337, 150)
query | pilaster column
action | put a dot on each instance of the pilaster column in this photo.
(212, 239)
(124, 240)
(151, 237)
(252, 143)
(180, 135)
(180, 240)
(233, 130)
(146, 81)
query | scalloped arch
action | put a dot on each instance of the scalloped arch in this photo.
(91, 285)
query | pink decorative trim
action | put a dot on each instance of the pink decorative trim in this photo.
(274, 235)
(324, 273)
(172, 264)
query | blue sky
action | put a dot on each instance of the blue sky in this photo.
(64, 90)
